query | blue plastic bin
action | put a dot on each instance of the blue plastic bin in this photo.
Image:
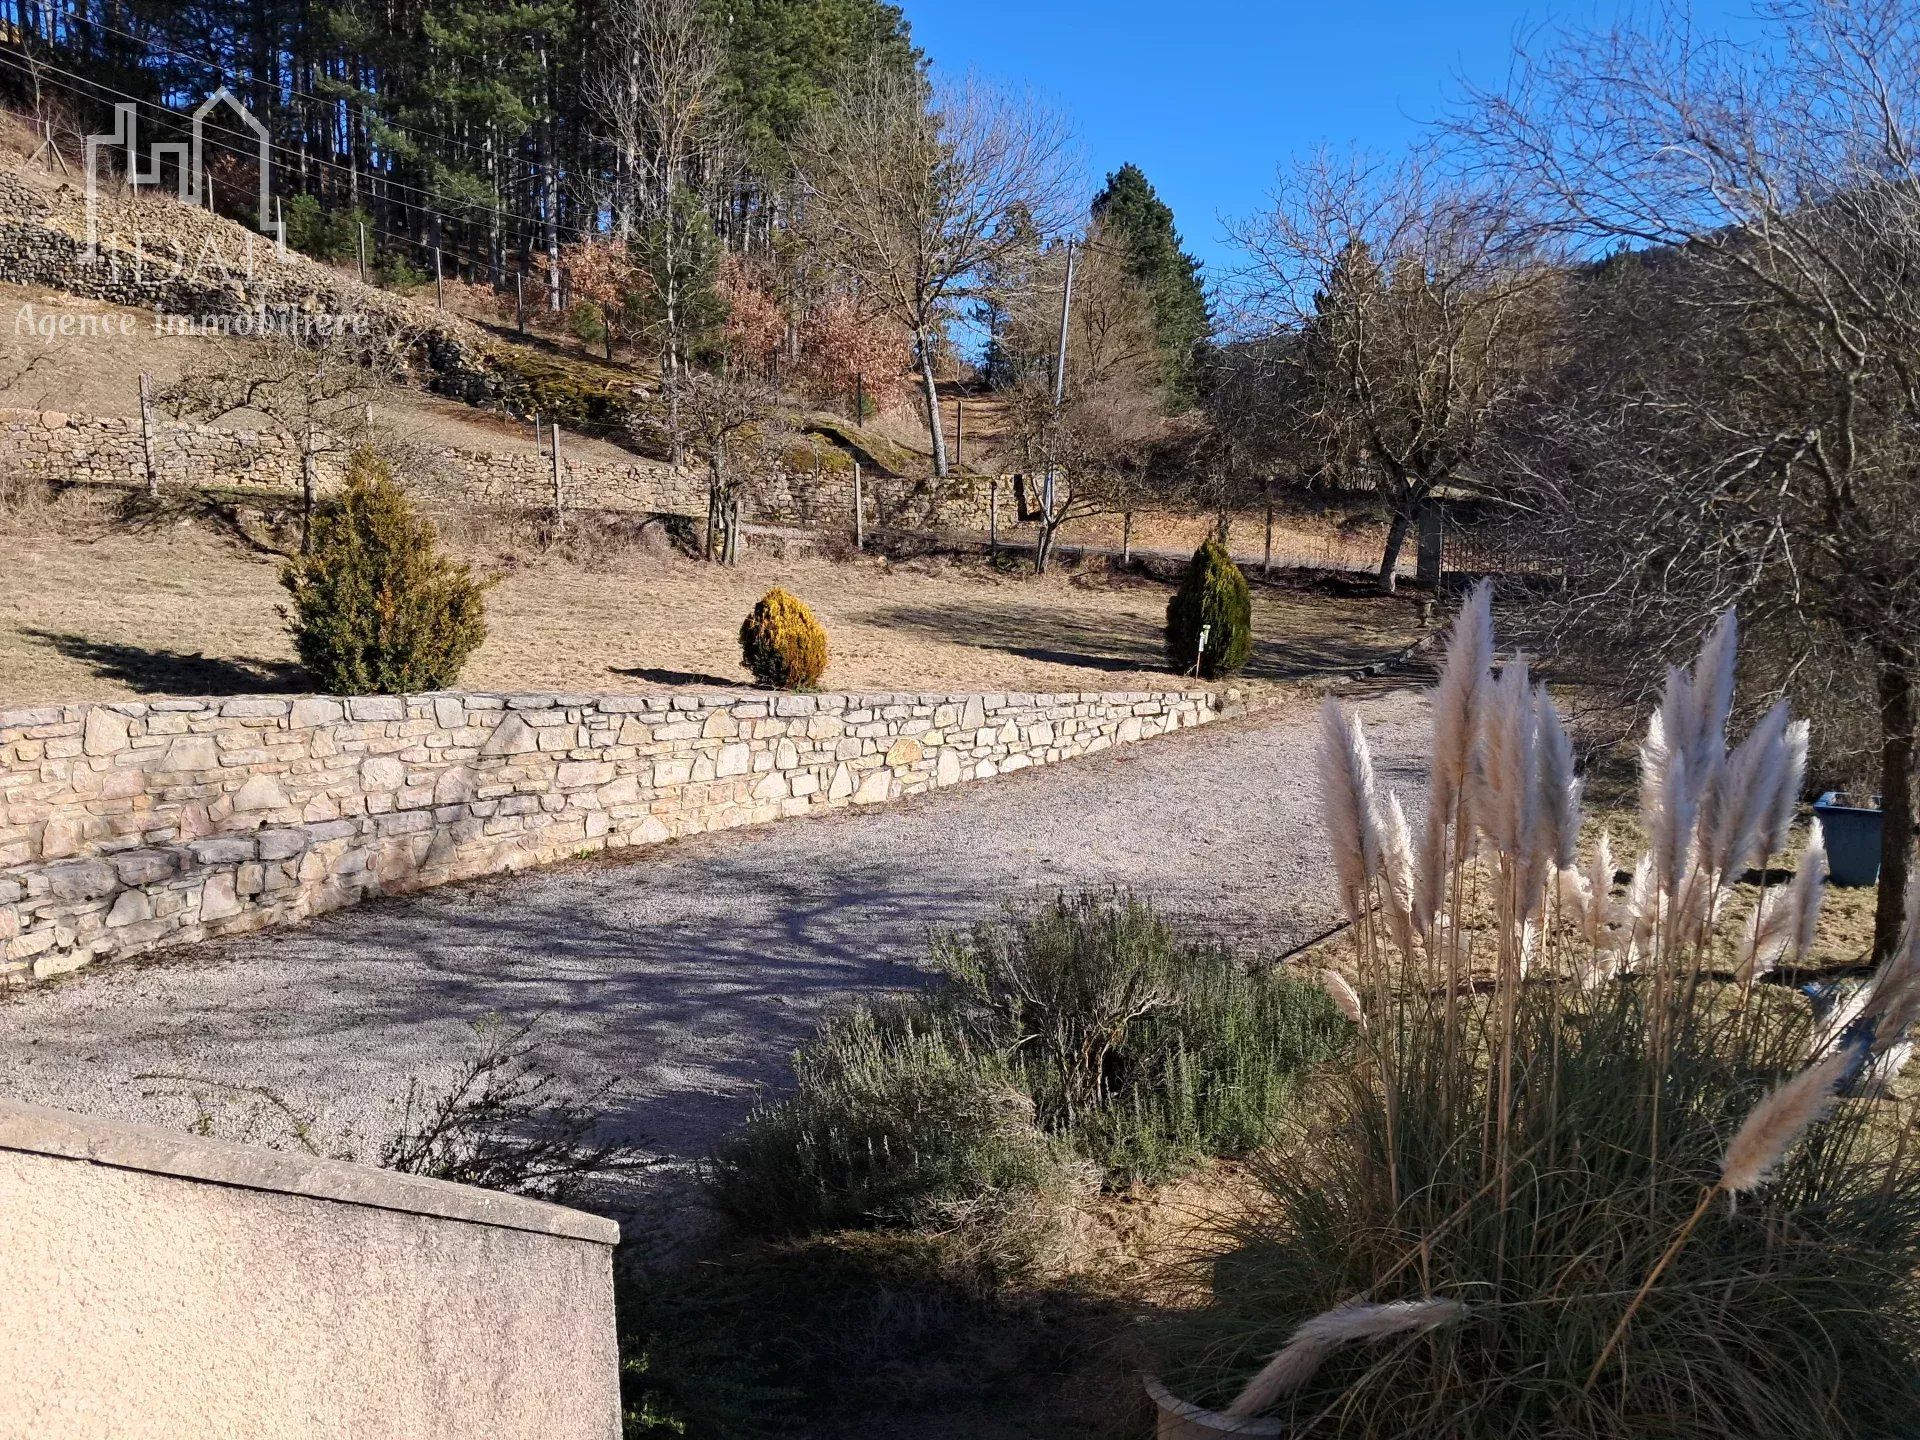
(1853, 837)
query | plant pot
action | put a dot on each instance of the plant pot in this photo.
(1852, 829)
(1181, 1421)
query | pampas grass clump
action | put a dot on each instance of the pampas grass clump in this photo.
(1570, 1181)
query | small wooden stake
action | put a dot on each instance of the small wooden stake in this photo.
(146, 434)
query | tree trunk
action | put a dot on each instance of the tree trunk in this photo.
(1896, 797)
(1126, 540)
(1390, 561)
(308, 486)
(934, 432)
(1043, 546)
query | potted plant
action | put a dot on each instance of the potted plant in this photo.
(1852, 824)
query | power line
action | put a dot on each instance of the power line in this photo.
(158, 46)
(455, 202)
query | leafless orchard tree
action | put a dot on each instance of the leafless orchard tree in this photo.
(918, 195)
(1417, 305)
(317, 387)
(719, 406)
(1767, 452)
(1103, 441)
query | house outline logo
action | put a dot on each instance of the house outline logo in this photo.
(189, 158)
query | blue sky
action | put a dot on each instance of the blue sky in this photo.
(1209, 95)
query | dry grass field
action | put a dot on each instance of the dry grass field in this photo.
(96, 606)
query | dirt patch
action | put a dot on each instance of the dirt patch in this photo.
(96, 607)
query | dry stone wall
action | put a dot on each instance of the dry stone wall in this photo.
(130, 826)
(109, 450)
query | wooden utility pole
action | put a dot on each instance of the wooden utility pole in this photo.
(559, 499)
(1048, 489)
(520, 300)
(1266, 560)
(859, 511)
(146, 434)
(361, 249)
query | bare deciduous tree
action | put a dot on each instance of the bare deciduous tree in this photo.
(658, 91)
(1102, 440)
(1765, 448)
(917, 195)
(1416, 303)
(314, 384)
(719, 405)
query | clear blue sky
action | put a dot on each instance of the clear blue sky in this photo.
(1208, 96)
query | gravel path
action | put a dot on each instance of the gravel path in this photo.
(685, 975)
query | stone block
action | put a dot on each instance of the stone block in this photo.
(191, 752)
(261, 792)
(218, 898)
(130, 909)
(454, 786)
(382, 772)
(223, 850)
(106, 732)
(81, 879)
(904, 751)
(874, 787)
(377, 707)
(311, 711)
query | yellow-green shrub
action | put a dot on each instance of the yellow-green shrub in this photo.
(782, 644)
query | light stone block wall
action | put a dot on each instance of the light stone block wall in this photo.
(62, 448)
(130, 826)
(159, 1284)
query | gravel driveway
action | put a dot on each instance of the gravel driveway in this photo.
(687, 974)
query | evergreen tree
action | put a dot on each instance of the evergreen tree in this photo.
(1129, 211)
(784, 57)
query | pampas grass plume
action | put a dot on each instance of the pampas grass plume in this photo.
(1345, 997)
(1458, 701)
(1347, 1324)
(1346, 784)
(1777, 1121)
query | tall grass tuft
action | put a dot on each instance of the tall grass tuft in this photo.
(1647, 1200)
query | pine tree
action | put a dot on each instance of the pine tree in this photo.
(1129, 211)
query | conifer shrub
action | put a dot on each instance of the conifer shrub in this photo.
(1213, 597)
(377, 608)
(782, 644)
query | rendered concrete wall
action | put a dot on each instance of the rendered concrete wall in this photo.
(154, 1284)
(125, 827)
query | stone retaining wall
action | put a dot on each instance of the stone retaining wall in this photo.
(130, 826)
(61, 448)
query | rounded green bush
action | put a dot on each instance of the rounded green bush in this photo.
(782, 644)
(1213, 596)
(377, 609)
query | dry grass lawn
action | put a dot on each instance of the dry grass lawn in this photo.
(93, 606)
